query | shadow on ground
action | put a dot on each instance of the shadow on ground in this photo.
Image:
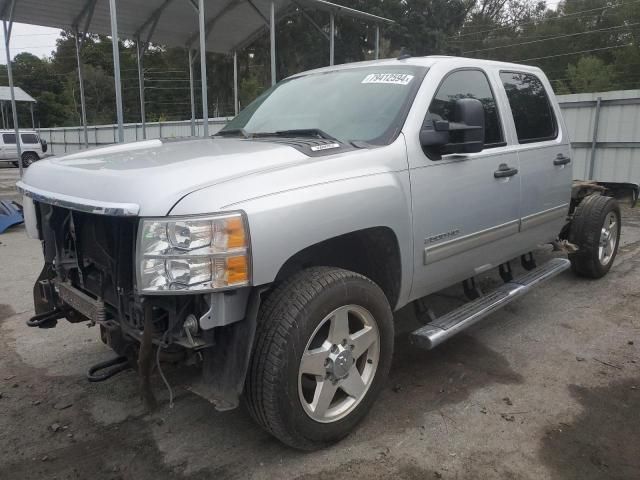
(604, 441)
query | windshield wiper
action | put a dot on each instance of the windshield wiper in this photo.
(298, 132)
(232, 132)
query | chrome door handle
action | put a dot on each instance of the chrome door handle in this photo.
(561, 160)
(505, 170)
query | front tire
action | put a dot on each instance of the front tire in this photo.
(595, 229)
(323, 350)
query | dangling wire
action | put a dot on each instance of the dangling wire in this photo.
(164, 379)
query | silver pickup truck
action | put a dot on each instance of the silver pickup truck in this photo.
(272, 256)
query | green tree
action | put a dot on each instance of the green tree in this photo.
(590, 74)
(521, 31)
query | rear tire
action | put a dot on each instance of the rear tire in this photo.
(595, 229)
(297, 355)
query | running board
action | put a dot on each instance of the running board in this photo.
(443, 328)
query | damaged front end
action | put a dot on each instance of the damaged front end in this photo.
(173, 289)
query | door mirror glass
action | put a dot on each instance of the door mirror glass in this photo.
(464, 134)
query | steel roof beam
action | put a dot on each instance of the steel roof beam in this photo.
(8, 4)
(345, 11)
(11, 5)
(284, 12)
(212, 21)
(152, 21)
(257, 10)
(311, 20)
(87, 14)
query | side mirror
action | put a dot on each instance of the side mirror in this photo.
(465, 134)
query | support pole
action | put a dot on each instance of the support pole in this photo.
(203, 69)
(83, 105)
(377, 50)
(235, 83)
(33, 120)
(116, 68)
(192, 95)
(332, 38)
(4, 124)
(594, 138)
(272, 31)
(140, 58)
(7, 40)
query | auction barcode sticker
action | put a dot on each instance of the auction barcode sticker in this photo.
(391, 78)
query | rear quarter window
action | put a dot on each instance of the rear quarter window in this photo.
(533, 115)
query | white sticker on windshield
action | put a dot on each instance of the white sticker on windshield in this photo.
(391, 78)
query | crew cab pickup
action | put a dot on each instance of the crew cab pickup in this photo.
(272, 255)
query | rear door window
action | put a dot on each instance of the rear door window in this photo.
(9, 138)
(531, 108)
(468, 84)
(29, 138)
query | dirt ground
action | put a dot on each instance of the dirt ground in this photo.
(549, 387)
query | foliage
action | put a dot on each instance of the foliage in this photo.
(590, 74)
(582, 45)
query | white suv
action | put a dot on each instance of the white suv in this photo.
(32, 146)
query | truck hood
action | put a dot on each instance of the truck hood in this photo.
(153, 175)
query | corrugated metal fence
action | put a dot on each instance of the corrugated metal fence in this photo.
(71, 139)
(604, 129)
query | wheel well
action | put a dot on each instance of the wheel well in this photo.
(372, 252)
(30, 151)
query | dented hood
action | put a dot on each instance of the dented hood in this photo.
(152, 175)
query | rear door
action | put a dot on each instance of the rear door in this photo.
(465, 219)
(544, 155)
(31, 142)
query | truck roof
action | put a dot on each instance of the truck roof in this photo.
(427, 61)
(22, 130)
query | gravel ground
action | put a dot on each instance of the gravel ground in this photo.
(549, 387)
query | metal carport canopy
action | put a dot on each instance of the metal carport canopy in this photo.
(230, 24)
(221, 26)
(20, 95)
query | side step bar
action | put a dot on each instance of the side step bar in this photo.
(443, 328)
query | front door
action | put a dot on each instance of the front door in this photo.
(465, 213)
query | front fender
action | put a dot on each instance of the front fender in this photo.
(285, 223)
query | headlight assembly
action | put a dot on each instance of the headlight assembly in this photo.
(187, 254)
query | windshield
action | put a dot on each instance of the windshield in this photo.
(366, 104)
